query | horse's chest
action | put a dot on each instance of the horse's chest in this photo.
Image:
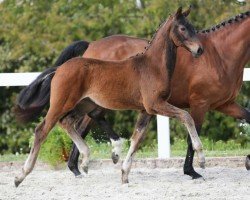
(227, 92)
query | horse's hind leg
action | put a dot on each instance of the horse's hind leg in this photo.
(83, 130)
(235, 110)
(138, 135)
(41, 133)
(98, 116)
(67, 123)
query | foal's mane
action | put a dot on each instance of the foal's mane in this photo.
(226, 23)
(152, 39)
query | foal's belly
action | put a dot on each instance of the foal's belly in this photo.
(116, 103)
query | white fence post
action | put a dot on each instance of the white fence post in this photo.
(163, 129)
(163, 136)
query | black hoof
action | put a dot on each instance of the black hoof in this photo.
(115, 158)
(75, 171)
(193, 174)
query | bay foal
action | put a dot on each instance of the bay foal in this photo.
(139, 83)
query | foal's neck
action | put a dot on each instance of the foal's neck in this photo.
(162, 51)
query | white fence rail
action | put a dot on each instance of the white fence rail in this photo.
(163, 129)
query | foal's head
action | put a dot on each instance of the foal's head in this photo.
(183, 33)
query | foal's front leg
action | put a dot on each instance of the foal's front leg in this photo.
(138, 135)
(198, 112)
(160, 106)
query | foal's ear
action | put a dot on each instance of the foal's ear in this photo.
(186, 12)
(178, 12)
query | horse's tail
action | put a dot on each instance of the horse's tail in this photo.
(35, 97)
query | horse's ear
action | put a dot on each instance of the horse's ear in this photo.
(186, 12)
(178, 12)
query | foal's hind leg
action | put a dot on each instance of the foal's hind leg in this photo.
(83, 130)
(41, 133)
(98, 116)
(67, 123)
(138, 135)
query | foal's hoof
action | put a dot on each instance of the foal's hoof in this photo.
(85, 169)
(124, 181)
(202, 165)
(115, 158)
(124, 177)
(17, 182)
(201, 159)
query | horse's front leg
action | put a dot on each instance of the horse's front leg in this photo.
(138, 135)
(161, 107)
(198, 112)
(98, 116)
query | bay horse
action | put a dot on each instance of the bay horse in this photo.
(139, 83)
(219, 70)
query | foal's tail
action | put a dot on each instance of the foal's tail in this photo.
(35, 97)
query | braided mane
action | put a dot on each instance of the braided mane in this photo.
(237, 18)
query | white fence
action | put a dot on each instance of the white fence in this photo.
(163, 132)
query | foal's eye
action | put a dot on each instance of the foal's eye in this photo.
(183, 28)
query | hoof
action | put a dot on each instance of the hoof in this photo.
(85, 169)
(124, 177)
(125, 181)
(115, 158)
(17, 182)
(247, 162)
(202, 165)
(193, 174)
(75, 171)
(80, 176)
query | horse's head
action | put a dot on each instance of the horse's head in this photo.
(183, 33)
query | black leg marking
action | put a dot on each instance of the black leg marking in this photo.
(188, 165)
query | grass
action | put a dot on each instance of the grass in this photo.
(178, 149)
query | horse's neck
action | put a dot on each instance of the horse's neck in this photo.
(162, 52)
(232, 43)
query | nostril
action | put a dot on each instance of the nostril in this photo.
(200, 51)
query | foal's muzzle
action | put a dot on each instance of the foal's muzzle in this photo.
(198, 51)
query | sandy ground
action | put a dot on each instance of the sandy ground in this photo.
(220, 183)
